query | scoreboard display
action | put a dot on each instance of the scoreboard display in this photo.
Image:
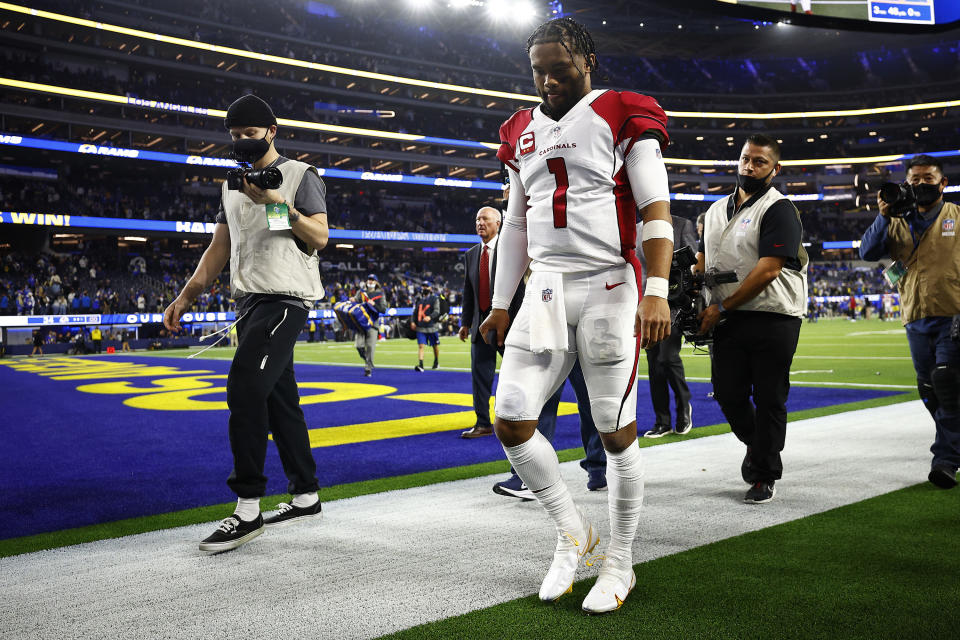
(905, 12)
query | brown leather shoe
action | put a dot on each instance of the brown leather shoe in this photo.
(477, 432)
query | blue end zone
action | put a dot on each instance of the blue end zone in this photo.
(72, 458)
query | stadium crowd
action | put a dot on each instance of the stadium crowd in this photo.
(97, 278)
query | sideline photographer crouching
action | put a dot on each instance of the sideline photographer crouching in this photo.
(755, 232)
(918, 230)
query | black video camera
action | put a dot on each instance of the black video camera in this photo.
(686, 294)
(901, 198)
(266, 178)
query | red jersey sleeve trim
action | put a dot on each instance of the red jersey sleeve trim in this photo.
(510, 132)
(630, 115)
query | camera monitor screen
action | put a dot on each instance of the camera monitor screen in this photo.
(919, 12)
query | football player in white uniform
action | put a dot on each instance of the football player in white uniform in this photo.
(804, 4)
(580, 164)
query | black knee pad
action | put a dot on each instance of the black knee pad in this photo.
(946, 384)
(930, 400)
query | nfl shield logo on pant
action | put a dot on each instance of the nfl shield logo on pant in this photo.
(546, 295)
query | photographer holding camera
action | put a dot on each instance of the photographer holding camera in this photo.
(755, 232)
(270, 231)
(918, 230)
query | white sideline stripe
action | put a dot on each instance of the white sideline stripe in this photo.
(805, 383)
(385, 562)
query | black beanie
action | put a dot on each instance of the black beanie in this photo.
(249, 111)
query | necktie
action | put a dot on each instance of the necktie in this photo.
(483, 294)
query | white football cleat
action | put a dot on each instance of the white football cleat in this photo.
(570, 550)
(613, 586)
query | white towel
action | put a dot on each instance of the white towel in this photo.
(548, 316)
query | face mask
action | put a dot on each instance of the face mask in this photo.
(926, 194)
(250, 149)
(751, 184)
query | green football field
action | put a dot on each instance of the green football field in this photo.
(866, 353)
(853, 9)
(881, 568)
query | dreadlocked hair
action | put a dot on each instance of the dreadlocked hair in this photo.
(563, 29)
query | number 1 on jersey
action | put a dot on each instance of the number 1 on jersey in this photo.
(558, 168)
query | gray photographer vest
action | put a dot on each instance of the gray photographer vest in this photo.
(264, 261)
(735, 246)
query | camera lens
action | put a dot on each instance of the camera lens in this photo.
(271, 178)
(890, 192)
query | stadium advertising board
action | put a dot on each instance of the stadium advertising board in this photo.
(77, 319)
(175, 226)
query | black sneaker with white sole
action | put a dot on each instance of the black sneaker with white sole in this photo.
(287, 513)
(760, 492)
(658, 431)
(685, 422)
(232, 533)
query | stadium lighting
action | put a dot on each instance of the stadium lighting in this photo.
(498, 9)
(418, 5)
(524, 12)
(376, 133)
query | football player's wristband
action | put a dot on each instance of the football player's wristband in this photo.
(657, 286)
(721, 307)
(656, 229)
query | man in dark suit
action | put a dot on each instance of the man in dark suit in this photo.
(664, 365)
(481, 267)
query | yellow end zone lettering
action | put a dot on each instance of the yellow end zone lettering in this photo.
(184, 400)
(382, 430)
(124, 387)
(81, 369)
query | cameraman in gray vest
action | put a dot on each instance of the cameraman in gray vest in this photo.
(271, 237)
(755, 232)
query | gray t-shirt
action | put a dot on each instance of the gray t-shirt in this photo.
(311, 197)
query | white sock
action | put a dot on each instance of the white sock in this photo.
(625, 489)
(303, 500)
(535, 461)
(248, 508)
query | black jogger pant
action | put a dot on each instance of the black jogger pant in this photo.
(263, 397)
(752, 354)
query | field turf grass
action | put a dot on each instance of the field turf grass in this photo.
(883, 568)
(832, 352)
